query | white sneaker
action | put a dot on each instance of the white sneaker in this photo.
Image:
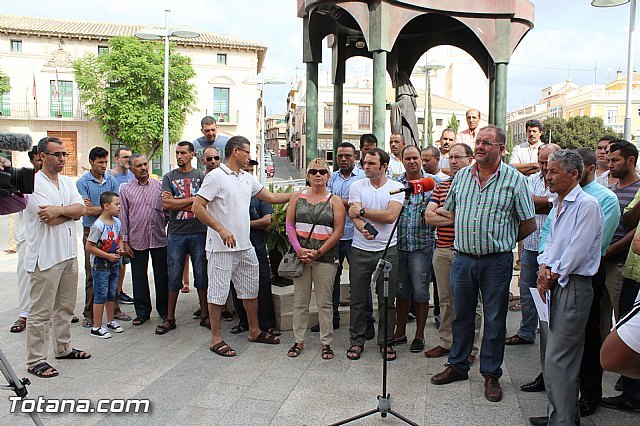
(100, 332)
(115, 327)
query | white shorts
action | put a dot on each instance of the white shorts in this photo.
(241, 267)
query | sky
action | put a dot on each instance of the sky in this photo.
(570, 39)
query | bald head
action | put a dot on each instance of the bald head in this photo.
(543, 156)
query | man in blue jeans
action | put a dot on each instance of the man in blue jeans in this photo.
(493, 210)
(526, 334)
(187, 235)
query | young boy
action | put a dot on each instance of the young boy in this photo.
(103, 244)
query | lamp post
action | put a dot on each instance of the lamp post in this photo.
(261, 145)
(426, 130)
(157, 34)
(632, 28)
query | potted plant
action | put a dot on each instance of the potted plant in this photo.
(277, 240)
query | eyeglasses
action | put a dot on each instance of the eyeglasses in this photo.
(214, 158)
(316, 171)
(457, 157)
(487, 143)
(245, 150)
(60, 154)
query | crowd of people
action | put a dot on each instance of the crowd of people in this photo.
(574, 212)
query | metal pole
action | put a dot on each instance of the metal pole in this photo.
(379, 95)
(632, 28)
(166, 153)
(261, 121)
(426, 97)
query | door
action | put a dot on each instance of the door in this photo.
(70, 141)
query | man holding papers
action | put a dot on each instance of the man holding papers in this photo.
(570, 259)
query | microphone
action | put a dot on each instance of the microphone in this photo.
(15, 142)
(417, 186)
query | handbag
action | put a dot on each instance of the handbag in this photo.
(291, 266)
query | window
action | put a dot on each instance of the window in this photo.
(438, 121)
(328, 116)
(221, 104)
(612, 115)
(364, 117)
(61, 98)
(222, 58)
(6, 102)
(102, 50)
(16, 45)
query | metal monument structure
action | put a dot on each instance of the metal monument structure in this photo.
(395, 34)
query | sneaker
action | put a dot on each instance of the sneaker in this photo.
(115, 327)
(125, 299)
(197, 314)
(100, 332)
(227, 316)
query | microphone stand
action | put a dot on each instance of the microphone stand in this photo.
(384, 266)
(19, 386)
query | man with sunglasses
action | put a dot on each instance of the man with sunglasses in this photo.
(492, 208)
(210, 159)
(51, 259)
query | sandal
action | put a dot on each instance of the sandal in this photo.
(355, 352)
(75, 320)
(265, 338)
(221, 348)
(391, 353)
(237, 329)
(185, 289)
(515, 308)
(295, 350)
(165, 326)
(122, 316)
(139, 321)
(19, 325)
(87, 323)
(417, 345)
(399, 340)
(327, 353)
(274, 332)
(41, 369)
(75, 354)
(205, 322)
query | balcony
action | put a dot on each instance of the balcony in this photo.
(43, 110)
(227, 119)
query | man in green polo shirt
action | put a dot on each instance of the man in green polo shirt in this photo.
(492, 209)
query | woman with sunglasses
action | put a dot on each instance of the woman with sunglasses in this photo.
(318, 252)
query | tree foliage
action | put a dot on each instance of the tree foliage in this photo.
(576, 132)
(453, 123)
(4, 84)
(123, 91)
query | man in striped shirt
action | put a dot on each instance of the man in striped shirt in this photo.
(493, 209)
(460, 156)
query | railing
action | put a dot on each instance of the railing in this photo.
(53, 110)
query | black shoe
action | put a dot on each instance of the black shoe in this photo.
(411, 317)
(588, 407)
(620, 402)
(370, 332)
(197, 314)
(315, 328)
(226, 316)
(544, 421)
(125, 299)
(619, 386)
(536, 386)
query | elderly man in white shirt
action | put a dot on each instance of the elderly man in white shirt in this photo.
(570, 259)
(524, 156)
(51, 259)
(397, 144)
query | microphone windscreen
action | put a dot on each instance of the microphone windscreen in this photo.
(428, 183)
(15, 142)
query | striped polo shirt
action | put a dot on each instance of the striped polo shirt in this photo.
(444, 234)
(487, 219)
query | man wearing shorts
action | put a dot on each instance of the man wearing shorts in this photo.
(223, 205)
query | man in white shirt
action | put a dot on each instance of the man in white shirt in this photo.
(222, 204)
(570, 259)
(603, 175)
(51, 259)
(524, 157)
(430, 157)
(397, 144)
(469, 136)
(371, 205)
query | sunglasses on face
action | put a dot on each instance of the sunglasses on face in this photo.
(217, 158)
(314, 172)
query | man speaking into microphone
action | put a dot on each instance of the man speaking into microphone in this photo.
(374, 211)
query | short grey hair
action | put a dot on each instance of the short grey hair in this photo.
(569, 160)
(136, 156)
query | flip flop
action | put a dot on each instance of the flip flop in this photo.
(39, 370)
(221, 348)
(122, 317)
(75, 354)
(139, 321)
(265, 338)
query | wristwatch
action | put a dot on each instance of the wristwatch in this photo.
(362, 212)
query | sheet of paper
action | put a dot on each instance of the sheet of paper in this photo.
(543, 309)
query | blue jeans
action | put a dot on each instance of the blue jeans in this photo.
(178, 246)
(491, 275)
(414, 274)
(105, 284)
(528, 277)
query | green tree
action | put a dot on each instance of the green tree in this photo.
(4, 84)
(576, 132)
(123, 91)
(453, 123)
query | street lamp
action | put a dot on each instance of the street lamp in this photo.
(261, 146)
(632, 28)
(426, 134)
(159, 34)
